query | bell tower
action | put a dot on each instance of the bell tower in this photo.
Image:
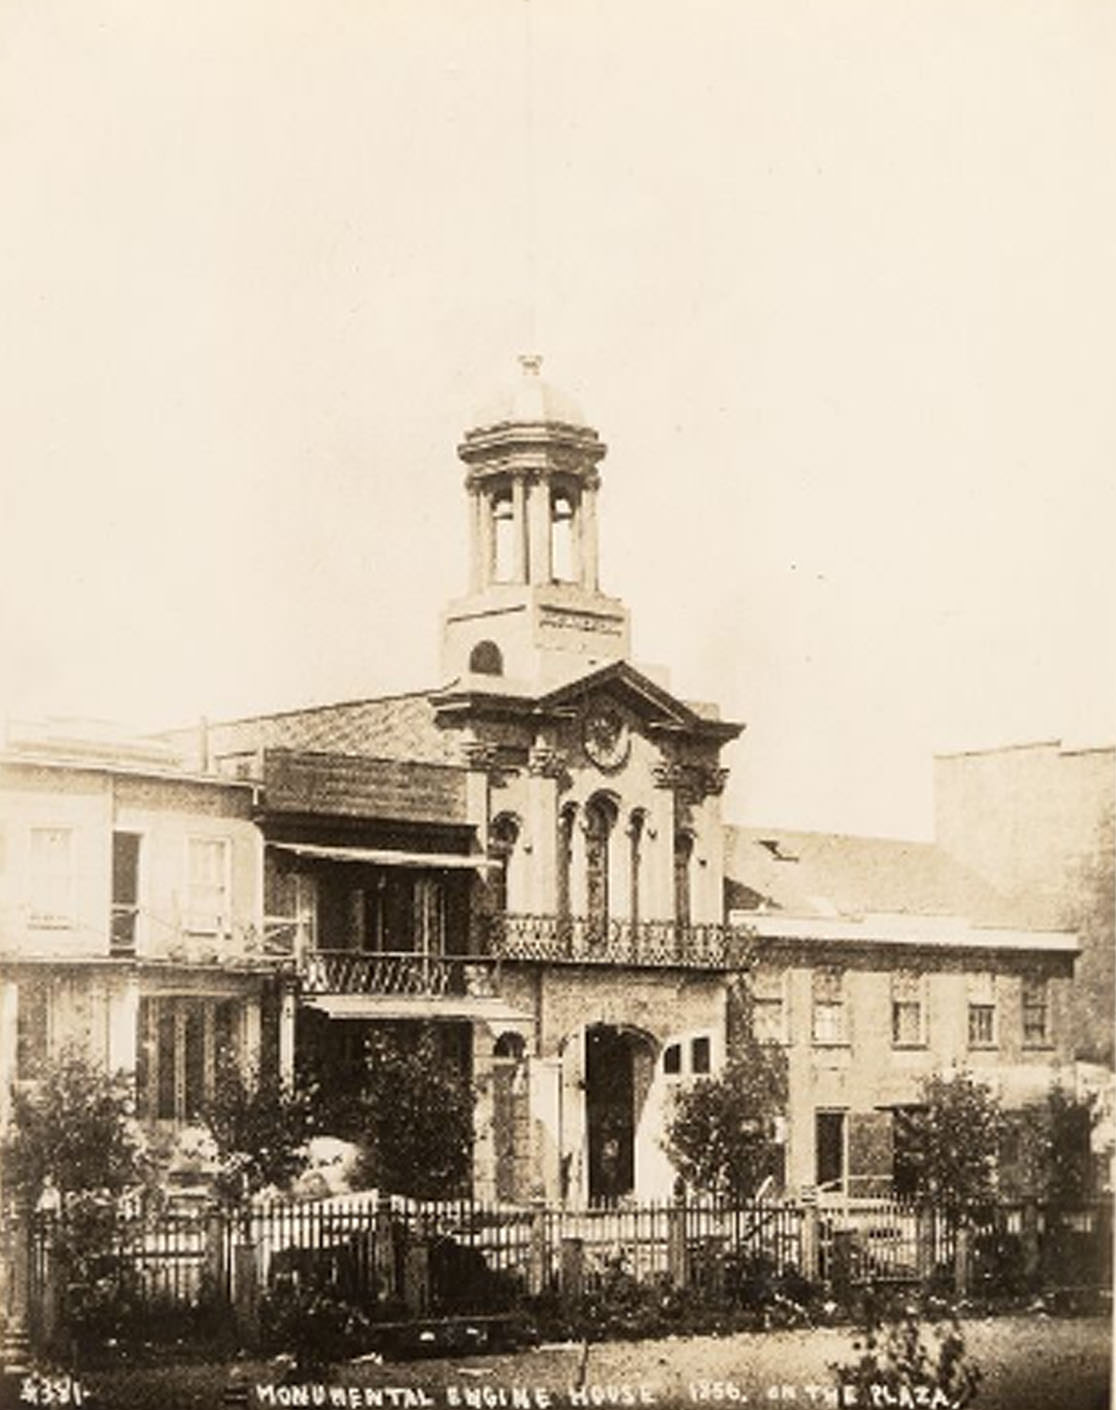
(534, 614)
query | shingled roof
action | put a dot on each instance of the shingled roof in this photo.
(399, 727)
(838, 875)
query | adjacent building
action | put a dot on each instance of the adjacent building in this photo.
(130, 907)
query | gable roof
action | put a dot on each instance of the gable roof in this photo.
(834, 875)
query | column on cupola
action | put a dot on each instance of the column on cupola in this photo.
(519, 531)
(538, 529)
(587, 537)
(478, 558)
(486, 537)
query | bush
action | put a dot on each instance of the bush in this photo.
(901, 1362)
(312, 1324)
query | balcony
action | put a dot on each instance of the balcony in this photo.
(662, 944)
(398, 974)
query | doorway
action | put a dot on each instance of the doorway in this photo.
(829, 1144)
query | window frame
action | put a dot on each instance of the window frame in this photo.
(981, 999)
(770, 992)
(195, 920)
(909, 990)
(1026, 1006)
(48, 916)
(820, 1004)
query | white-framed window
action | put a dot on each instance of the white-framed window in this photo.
(983, 1023)
(908, 1009)
(51, 876)
(1036, 1012)
(769, 1005)
(207, 886)
(829, 1023)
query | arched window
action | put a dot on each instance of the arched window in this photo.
(510, 1046)
(599, 819)
(683, 853)
(503, 537)
(635, 857)
(561, 537)
(502, 837)
(485, 659)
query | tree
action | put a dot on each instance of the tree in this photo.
(77, 1126)
(260, 1126)
(721, 1130)
(417, 1114)
(1055, 1147)
(955, 1141)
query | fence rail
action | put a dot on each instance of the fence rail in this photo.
(391, 1256)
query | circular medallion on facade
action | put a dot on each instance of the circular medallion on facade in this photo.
(606, 737)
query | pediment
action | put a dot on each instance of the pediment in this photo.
(655, 708)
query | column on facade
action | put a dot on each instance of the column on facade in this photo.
(657, 871)
(538, 529)
(539, 895)
(123, 1024)
(587, 537)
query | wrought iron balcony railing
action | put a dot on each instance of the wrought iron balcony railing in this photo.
(649, 943)
(398, 973)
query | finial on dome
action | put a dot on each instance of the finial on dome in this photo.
(531, 363)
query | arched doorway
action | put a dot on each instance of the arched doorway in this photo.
(619, 1064)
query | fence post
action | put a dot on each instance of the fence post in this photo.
(676, 1239)
(924, 1244)
(246, 1286)
(537, 1264)
(571, 1270)
(416, 1276)
(961, 1260)
(383, 1251)
(809, 1240)
(15, 1258)
(216, 1272)
(1030, 1240)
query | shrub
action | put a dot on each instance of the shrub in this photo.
(903, 1362)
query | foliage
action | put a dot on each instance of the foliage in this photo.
(955, 1140)
(312, 1324)
(76, 1124)
(902, 1363)
(260, 1125)
(417, 1115)
(720, 1132)
(1055, 1153)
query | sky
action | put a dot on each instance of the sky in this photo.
(834, 280)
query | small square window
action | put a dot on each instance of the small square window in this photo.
(700, 1055)
(672, 1060)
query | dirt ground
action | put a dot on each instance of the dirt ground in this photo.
(1028, 1363)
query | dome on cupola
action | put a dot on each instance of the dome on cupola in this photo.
(529, 400)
